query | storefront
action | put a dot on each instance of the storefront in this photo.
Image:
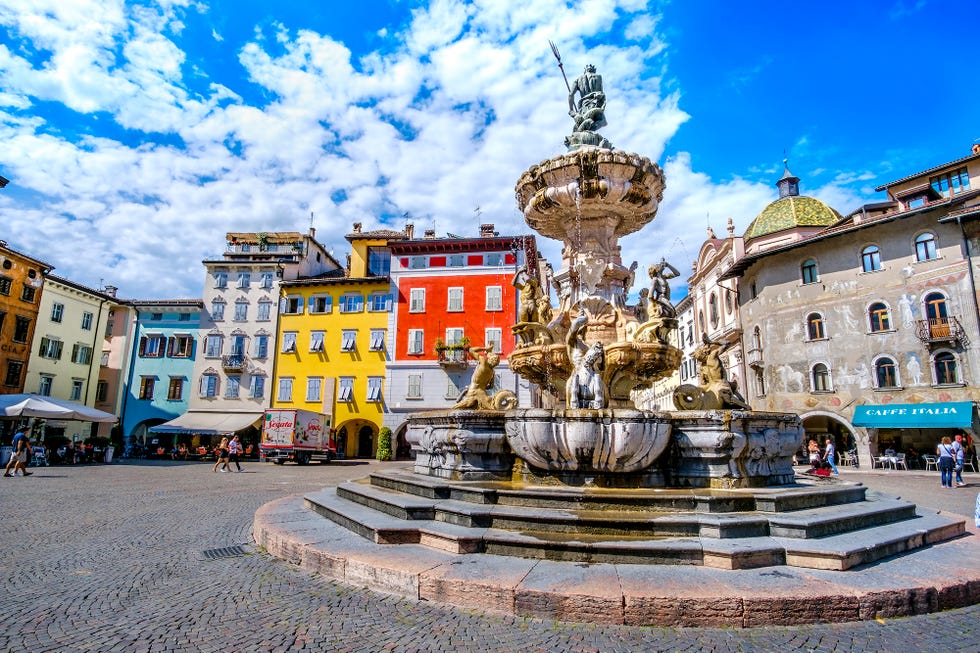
(914, 429)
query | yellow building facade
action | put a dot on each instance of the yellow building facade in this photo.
(332, 344)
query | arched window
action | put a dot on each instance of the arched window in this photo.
(871, 258)
(925, 247)
(729, 301)
(937, 315)
(820, 378)
(809, 271)
(878, 313)
(757, 339)
(701, 323)
(814, 327)
(886, 373)
(945, 366)
(713, 310)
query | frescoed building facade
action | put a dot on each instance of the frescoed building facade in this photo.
(21, 281)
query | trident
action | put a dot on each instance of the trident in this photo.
(561, 66)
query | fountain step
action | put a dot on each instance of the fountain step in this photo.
(838, 552)
(807, 495)
(806, 523)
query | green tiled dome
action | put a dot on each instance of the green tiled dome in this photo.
(790, 212)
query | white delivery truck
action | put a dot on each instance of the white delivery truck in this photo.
(297, 435)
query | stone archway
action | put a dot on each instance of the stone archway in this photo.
(818, 424)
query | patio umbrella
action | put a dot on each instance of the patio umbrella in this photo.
(51, 408)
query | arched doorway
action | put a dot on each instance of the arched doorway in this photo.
(818, 425)
(365, 441)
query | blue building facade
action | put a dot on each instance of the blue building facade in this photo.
(164, 344)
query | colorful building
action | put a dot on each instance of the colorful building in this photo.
(333, 343)
(21, 280)
(451, 294)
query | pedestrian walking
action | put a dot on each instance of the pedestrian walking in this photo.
(828, 455)
(960, 449)
(18, 459)
(947, 460)
(234, 449)
(221, 456)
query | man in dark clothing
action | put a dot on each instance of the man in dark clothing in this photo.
(18, 459)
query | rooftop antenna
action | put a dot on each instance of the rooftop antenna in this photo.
(561, 66)
(478, 212)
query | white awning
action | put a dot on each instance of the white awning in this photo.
(208, 423)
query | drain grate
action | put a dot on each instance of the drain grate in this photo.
(224, 552)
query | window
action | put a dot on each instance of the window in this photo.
(105, 359)
(493, 339)
(820, 378)
(886, 373)
(266, 280)
(313, 385)
(156, 317)
(417, 300)
(925, 247)
(352, 303)
(379, 302)
(238, 345)
(57, 311)
(147, 383)
(212, 346)
(951, 183)
(379, 262)
(265, 310)
(44, 388)
(452, 387)
(494, 258)
(374, 388)
(180, 346)
(176, 390)
(880, 320)
(348, 340)
(81, 354)
(414, 390)
(713, 310)
(28, 293)
(87, 321)
(937, 315)
(152, 346)
(76, 390)
(945, 366)
(258, 387)
(261, 346)
(456, 261)
(184, 317)
(292, 305)
(416, 262)
(209, 385)
(377, 339)
(101, 391)
(814, 327)
(455, 302)
(871, 259)
(757, 339)
(220, 279)
(289, 342)
(320, 304)
(729, 300)
(244, 279)
(415, 337)
(5, 283)
(809, 271)
(241, 310)
(760, 382)
(454, 335)
(12, 376)
(108, 326)
(22, 328)
(316, 340)
(50, 348)
(285, 390)
(345, 388)
(218, 310)
(495, 300)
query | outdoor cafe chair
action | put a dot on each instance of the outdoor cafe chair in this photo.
(932, 462)
(968, 463)
(899, 461)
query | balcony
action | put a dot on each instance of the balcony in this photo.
(942, 331)
(453, 357)
(753, 358)
(233, 362)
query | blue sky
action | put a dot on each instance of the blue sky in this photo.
(135, 134)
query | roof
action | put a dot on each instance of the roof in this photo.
(77, 286)
(474, 244)
(165, 302)
(333, 281)
(791, 212)
(268, 236)
(47, 266)
(377, 234)
(926, 172)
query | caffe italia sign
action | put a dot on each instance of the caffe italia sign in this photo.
(951, 414)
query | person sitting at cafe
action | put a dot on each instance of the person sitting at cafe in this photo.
(182, 451)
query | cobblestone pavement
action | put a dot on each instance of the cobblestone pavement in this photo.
(112, 558)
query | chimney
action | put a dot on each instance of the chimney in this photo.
(357, 227)
(486, 231)
(409, 231)
(110, 290)
(976, 148)
(430, 233)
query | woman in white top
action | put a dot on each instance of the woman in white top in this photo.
(947, 458)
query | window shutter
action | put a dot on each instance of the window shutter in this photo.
(142, 345)
(282, 304)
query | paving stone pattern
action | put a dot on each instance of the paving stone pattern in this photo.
(112, 558)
